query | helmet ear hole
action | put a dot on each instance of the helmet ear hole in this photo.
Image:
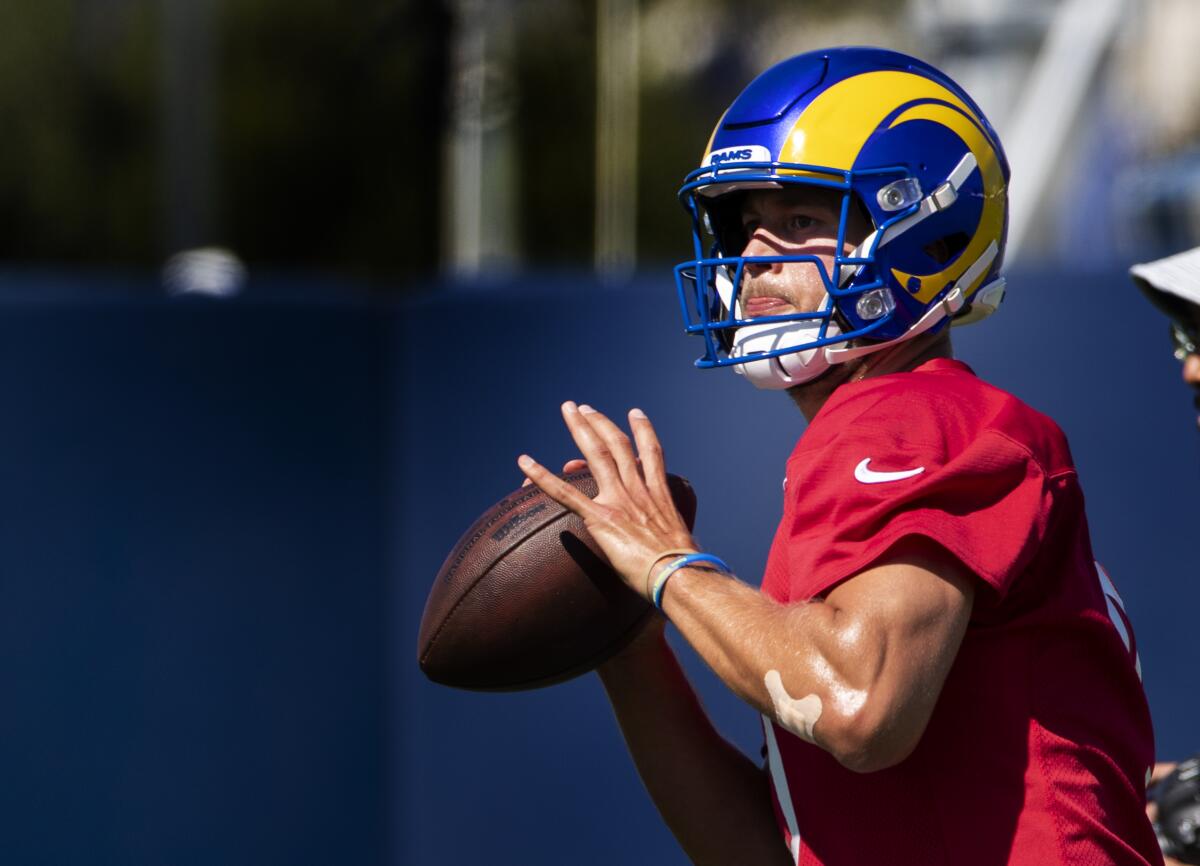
(946, 248)
(860, 224)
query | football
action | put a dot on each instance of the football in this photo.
(526, 599)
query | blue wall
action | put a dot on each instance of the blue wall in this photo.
(192, 526)
(220, 520)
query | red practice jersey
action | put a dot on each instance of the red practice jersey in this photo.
(1040, 744)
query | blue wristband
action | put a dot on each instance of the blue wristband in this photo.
(660, 582)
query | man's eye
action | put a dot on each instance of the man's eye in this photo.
(801, 222)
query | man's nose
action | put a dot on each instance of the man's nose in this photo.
(759, 245)
(1191, 370)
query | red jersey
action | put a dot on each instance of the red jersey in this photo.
(1039, 746)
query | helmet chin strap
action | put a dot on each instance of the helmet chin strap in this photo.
(949, 305)
(783, 371)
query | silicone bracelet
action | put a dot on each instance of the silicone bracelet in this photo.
(660, 582)
(655, 560)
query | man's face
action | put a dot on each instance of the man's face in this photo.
(796, 220)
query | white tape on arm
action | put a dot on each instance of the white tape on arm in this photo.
(798, 716)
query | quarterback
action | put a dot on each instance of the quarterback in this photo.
(944, 673)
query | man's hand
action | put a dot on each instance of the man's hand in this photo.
(633, 517)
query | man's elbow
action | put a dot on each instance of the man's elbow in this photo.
(867, 742)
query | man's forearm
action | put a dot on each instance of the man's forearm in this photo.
(715, 800)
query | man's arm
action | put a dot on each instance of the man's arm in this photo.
(857, 673)
(874, 654)
(714, 799)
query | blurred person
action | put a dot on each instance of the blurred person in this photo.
(944, 673)
(1172, 284)
(1174, 810)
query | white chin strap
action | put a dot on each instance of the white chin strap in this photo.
(796, 368)
(784, 371)
(988, 296)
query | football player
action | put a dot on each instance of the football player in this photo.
(945, 675)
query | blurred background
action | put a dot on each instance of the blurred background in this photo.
(403, 141)
(286, 287)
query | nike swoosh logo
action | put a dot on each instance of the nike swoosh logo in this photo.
(869, 476)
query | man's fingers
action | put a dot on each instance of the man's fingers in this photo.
(599, 459)
(1162, 769)
(654, 468)
(553, 486)
(570, 466)
(621, 449)
(649, 449)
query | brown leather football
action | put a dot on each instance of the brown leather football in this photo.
(526, 599)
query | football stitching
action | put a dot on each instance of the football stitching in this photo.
(517, 543)
(476, 532)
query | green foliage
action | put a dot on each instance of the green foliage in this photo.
(327, 133)
(330, 122)
(330, 133)
(77, 152)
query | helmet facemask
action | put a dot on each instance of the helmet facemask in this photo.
(773, 351)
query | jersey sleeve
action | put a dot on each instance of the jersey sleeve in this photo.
(986, 500)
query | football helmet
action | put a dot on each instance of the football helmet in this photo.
(906, 147)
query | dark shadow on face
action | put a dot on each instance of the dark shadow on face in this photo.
(726, 217)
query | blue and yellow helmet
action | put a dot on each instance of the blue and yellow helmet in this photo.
(907, 147)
